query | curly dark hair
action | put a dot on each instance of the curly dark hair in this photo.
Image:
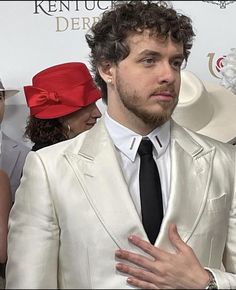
(107, 38)
(45, 131)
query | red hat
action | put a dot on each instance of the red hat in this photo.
(60, 90)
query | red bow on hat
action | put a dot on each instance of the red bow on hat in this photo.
(38, 97)
(57, 104)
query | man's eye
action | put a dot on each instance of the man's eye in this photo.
(177, 64)
(148, 61)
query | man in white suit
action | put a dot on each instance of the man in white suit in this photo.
(12, 152)
(77, 220)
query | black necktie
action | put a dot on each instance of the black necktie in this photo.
(150, 191)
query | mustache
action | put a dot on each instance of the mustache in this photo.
(164, 89)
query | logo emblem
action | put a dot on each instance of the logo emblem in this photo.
(222, 4)
(215, 66)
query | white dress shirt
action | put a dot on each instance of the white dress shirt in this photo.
(127, 144)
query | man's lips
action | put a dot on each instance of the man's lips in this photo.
(163, 96)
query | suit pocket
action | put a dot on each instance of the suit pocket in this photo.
(217, 204)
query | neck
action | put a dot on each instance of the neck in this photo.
(130, 120)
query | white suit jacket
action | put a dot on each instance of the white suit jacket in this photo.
(12, 160)
(73, 211)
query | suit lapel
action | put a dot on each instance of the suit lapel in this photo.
(105, 186)
(190, 176)
(108, 192)
(10, 154)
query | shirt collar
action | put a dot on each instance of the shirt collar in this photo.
(128, 141)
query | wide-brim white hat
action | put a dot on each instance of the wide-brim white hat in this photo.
(8, 91)
(206, 108)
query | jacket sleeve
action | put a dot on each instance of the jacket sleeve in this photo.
(33, 237)
(227, 279)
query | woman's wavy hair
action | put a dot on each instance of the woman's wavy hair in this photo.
(107, 38)
(45, 131)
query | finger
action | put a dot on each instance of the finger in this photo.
(148, 248)
(141, 284)
(138, 277)
(175, 238)
(136, 259)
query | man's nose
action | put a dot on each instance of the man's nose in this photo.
(166, 73)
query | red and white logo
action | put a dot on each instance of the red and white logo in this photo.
(215, 64)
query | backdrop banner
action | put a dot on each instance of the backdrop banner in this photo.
(39, 34)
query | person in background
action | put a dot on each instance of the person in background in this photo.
(12, 152)
(5, 206)
(62, 103)
(99, 215)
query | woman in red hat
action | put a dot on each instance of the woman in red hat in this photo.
(5, 206)
(62, 102)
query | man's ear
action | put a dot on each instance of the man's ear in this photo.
(106, 72)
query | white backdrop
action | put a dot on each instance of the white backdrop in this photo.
(38, 34)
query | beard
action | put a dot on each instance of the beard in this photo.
(133, 103)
